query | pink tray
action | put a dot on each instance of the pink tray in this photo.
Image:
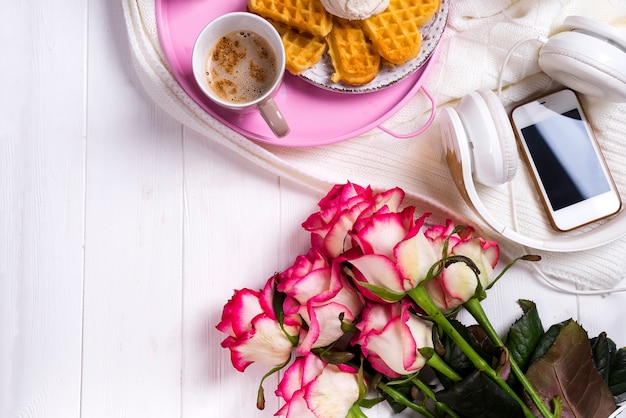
(315, 116)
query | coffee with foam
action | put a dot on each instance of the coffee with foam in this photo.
(238, 61)
(241, 67)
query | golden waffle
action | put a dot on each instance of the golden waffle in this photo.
(354, 58)
(302, 50)
(304, 15)
(395, 32)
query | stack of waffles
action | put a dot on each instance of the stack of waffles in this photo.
(357, 48)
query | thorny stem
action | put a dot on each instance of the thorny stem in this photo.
(442, 367)
(423, 300)
(474, 307)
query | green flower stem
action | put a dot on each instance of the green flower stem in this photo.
(426, 390)
(401, 399)
(356, 412)
(260, 396)
(423, 300)
(442, 367)
(475, 308)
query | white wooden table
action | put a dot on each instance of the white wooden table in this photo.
(123, 234)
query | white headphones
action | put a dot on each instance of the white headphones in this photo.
(589, 57)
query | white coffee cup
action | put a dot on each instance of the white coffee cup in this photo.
(231, 28)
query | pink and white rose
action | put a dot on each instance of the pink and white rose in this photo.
(319, 292)
(254, 333)
(312, 388)
(391, 336)
(340, 209)
(458, 282)
(393, 253)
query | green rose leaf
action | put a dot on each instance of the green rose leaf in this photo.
(547, 340)
(603, 349)
(566, 371)
(382, 292)
(278, 301)
(479, 396)
(525, 334)
(617, 379)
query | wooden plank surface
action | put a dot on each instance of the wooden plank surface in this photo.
(42, 183)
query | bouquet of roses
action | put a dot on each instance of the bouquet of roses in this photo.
(367, 316)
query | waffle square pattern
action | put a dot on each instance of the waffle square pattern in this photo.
(304, 15)
(357, 48)
(395, 32)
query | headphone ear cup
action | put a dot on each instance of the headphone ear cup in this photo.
(508, 145)
(590, 58)
(491, 138)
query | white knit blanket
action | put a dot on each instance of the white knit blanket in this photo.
(478, 36)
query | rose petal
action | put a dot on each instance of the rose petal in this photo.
(297, 407)
(302, 266)
(335, 242)
(460, 281)
(239, 312)
(484, 254)
(266, 297)
(391, 198)
(300, 373)
(392, 347)
(333, 393)
(257, 346)
(292, 380)
(374, 317)
(324, 326)
(389, 351)
(455, 286)
(379, 271)
(311, 285)
(344, 195)
(381, 234)
(415, 256)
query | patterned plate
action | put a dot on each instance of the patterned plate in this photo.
(319, 74)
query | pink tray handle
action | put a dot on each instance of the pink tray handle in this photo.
(433, 112)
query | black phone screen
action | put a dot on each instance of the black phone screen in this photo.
(566, 161)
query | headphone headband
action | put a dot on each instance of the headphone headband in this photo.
(594, 28)
(589, 57)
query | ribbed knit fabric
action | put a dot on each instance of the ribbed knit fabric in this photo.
(478, 36)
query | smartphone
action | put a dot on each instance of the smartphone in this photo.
(565, 160)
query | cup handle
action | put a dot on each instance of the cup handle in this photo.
(274, 118)
(433, 112)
